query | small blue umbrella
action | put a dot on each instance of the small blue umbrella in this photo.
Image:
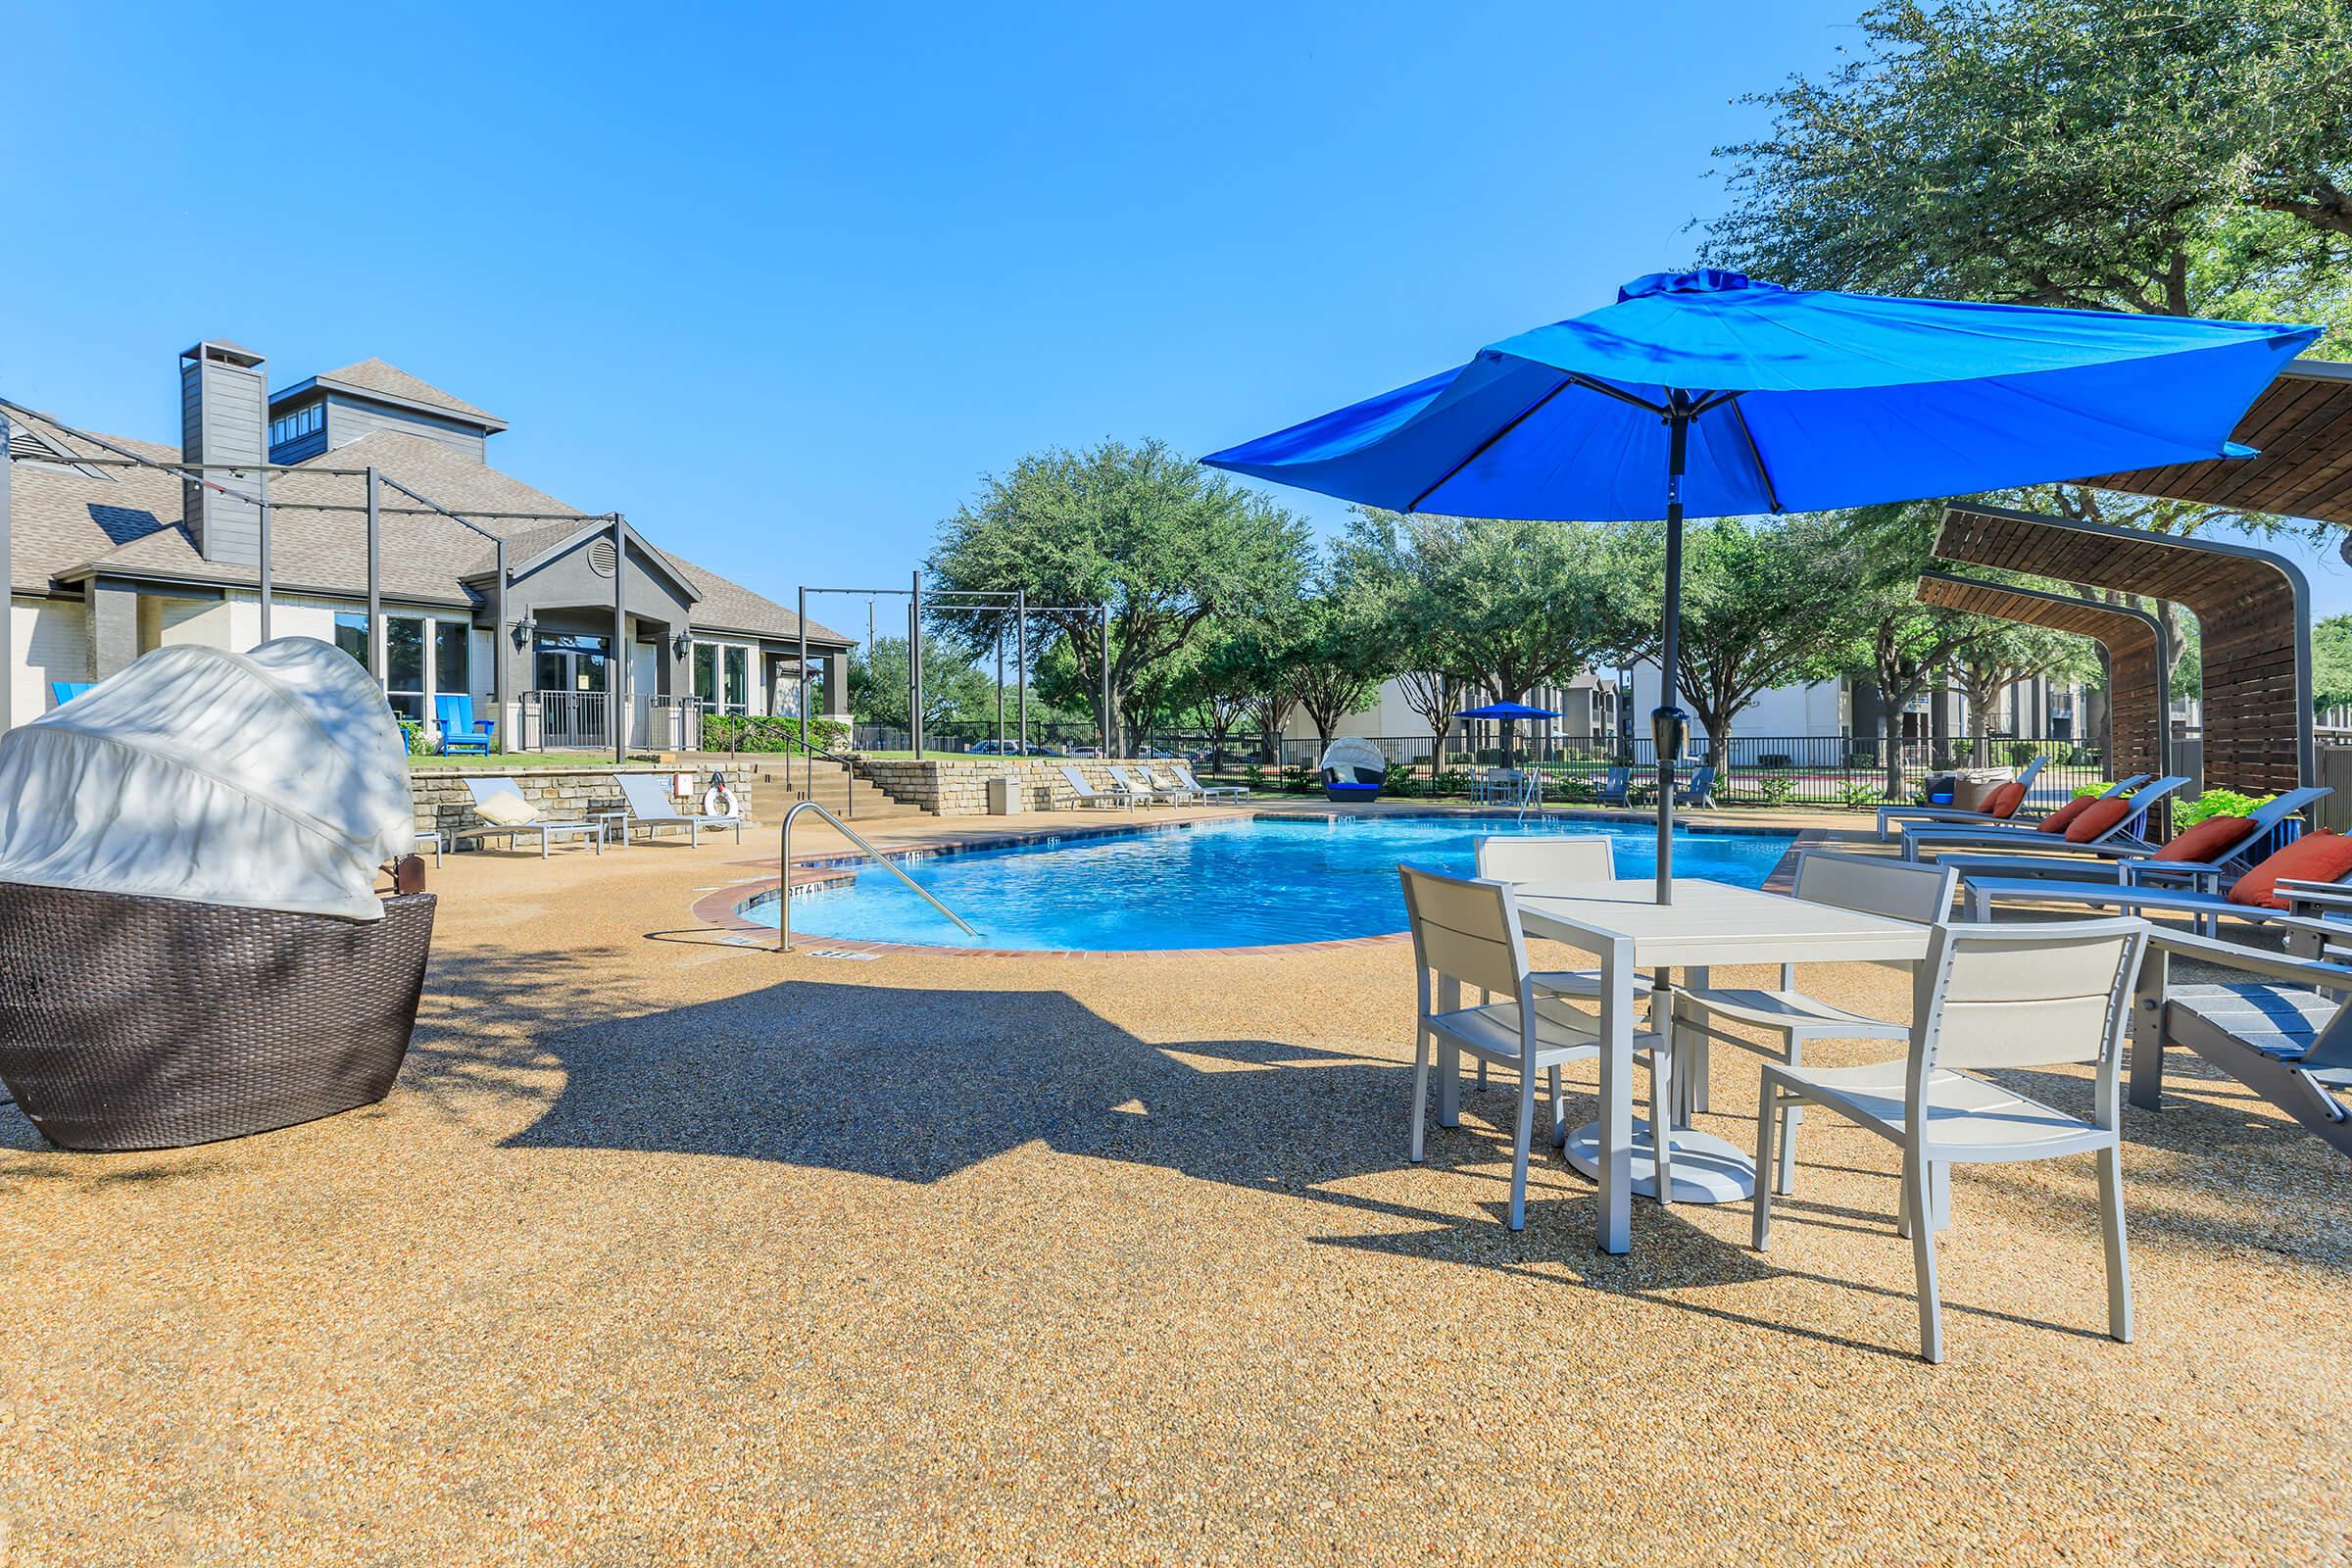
(1710, 394)
(1507, 711)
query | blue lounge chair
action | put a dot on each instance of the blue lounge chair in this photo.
(460, 732)
(65, 691)
(1700, 791)
(1615, 789)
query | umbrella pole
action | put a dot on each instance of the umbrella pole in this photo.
(1665, 723)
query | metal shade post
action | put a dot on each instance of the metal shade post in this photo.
(1020, 659)
(263, 491)
(376, 577)
(617, 676)
(506, 742)
(1000, 691)
(1106, 752)
(915, 667)
(808, 763)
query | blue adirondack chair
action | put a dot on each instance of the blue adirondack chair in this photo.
(65, 691)
(460, 732)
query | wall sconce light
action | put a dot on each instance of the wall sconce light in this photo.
(682, 644)
(524, 629)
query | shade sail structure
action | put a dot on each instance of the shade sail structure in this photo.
(2253, 611)
(1713, 394)
(2302, 424)
(274, 779)
(2137, 657)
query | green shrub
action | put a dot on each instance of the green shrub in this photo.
(2214, 803)
(1778, 789)
(1859, 795)
(412, 735)
(1293, 778)
(1450, 781)
(738, 732)
(1401, 782)
(1254, 777)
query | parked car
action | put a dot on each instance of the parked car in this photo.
(993, 749)
(1084, 751)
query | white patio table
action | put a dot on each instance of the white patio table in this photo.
(1623, 924)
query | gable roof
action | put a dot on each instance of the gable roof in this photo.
(72, 524)
(374, 378)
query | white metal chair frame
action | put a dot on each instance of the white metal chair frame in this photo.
(1987, 997)
(482, 789)
(1466, 933)
(1868, 883)
(2123, 833)
(1086, 794)
(1143, 790)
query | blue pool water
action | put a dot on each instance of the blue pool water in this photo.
(1236, 884)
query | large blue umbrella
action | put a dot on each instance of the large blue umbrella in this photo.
(1709, 394)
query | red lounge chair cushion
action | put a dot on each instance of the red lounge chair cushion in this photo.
(2061, 820)
(2096, 818)
(2208, 840)
(2004, 801)
(2312, 857)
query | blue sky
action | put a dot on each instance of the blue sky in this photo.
(782, 284)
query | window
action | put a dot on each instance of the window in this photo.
(350, 634)
(404, 666)
(706, 673)
(453, 660)
(307, 421)
(738, 679)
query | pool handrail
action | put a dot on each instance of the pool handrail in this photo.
(784, 873)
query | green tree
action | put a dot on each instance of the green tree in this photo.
(2160, 156)
(1757, 607)
(2004, 653)
(954, 689)
(1885, 632)
(1335, 656)
(2331, 664)
(1164, 543)
(1510, 605)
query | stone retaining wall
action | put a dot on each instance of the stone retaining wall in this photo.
(957, 786)
(563, 794)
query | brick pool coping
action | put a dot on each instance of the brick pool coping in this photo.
(722, 908)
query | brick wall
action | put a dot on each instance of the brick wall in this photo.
(563, 794)
(957, 786)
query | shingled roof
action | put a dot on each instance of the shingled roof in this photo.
(71, 524)
(373, 378)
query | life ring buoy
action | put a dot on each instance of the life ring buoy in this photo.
(718, 800)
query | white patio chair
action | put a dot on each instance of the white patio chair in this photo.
(1871, 884)
(651, 809)
(1086, 794)
(491, 787)
(1171, 784)
(1988, 998)
(1208, 792)
(1466, 932)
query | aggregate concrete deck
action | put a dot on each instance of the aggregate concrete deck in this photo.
(671, 1249)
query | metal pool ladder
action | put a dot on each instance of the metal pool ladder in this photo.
(784, 873)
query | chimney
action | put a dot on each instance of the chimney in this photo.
(224, 413)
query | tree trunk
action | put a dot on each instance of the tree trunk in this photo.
(1891, 736)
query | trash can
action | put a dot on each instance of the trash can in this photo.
(1005, 797)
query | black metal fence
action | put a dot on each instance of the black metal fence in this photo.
(1751, 769)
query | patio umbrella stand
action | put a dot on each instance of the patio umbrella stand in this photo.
(1707, 394)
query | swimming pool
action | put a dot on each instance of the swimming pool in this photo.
(1255, 882)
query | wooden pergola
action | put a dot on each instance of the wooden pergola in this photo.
(2138, 662)
(2302, 428)
(2253, 612)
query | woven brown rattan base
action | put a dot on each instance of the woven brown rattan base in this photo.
(150, 1024)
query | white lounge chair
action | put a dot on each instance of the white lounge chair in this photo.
(1871, 884)
(1949, 815)
(2305, 901)
(1466, 933)
(1086, 794)
(1208, 792)
(2129, 864)
(1177, 790)
(1140, 790)
(490, 788)
(651, 809)
(1988, 998)
(2282, 1031)
(2124, 831)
